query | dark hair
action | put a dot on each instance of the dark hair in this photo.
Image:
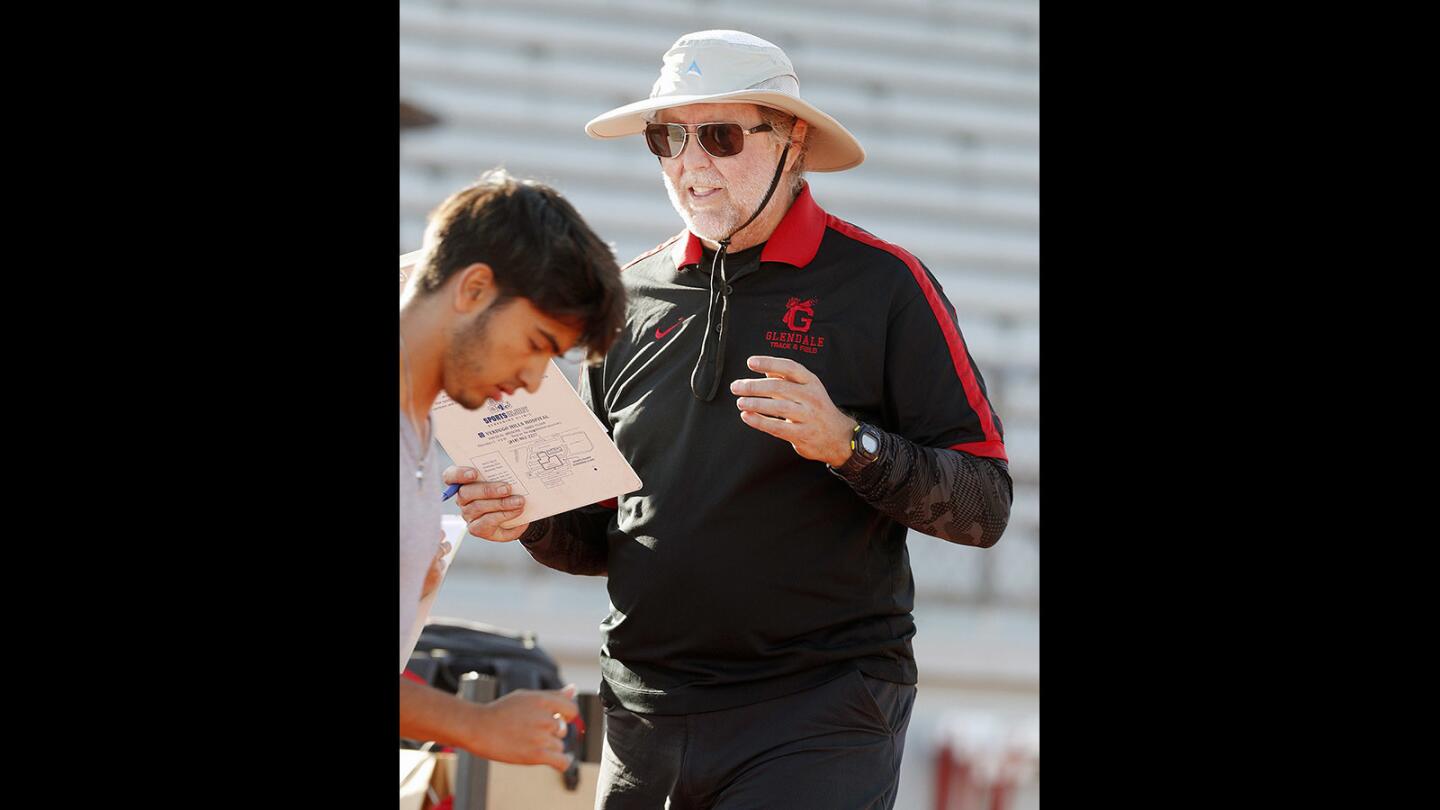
(537, 246)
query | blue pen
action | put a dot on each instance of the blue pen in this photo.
(450, 492)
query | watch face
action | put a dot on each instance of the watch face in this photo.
(869, 443)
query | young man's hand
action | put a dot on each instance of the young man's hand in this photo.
(526, 727)
(486, 504)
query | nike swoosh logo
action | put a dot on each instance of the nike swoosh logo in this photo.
(661, 335)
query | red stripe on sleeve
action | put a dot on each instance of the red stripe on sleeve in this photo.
(610, 503)
(993, 446)
(989, 449)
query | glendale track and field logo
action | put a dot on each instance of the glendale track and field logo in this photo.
(799, 315)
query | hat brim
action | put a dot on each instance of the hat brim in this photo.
(831, 147)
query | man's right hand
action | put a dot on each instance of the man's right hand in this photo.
(484, 505)
(521, 727)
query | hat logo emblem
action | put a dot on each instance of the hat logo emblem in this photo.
(694, 68)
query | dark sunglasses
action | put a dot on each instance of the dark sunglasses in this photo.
(717, 139)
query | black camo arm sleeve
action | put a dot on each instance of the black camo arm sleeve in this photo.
(574, 542)
(944, 493)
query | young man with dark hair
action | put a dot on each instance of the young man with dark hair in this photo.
(509, 276)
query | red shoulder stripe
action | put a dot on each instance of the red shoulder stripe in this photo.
(993, 446)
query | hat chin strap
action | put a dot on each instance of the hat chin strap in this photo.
(774, 182)
(705, 381)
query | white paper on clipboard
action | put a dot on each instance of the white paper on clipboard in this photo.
(548, 446)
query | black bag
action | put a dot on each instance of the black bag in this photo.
(449, 648)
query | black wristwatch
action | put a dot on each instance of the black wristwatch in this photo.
(865, 447)
(865, 442)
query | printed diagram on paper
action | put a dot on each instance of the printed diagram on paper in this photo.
(549, 446)
(548, 462)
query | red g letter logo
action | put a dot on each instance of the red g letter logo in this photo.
(799, 314)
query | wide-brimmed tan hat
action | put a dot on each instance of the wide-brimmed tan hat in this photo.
(724, 67)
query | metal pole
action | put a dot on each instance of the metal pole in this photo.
(472, 774)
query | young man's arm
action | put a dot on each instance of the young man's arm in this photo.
(520, 727)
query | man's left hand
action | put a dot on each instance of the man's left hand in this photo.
(791, 403)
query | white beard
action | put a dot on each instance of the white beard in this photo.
(741, 198)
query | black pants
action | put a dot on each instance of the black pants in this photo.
(834, 747)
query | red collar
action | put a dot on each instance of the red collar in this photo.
(795, 241)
